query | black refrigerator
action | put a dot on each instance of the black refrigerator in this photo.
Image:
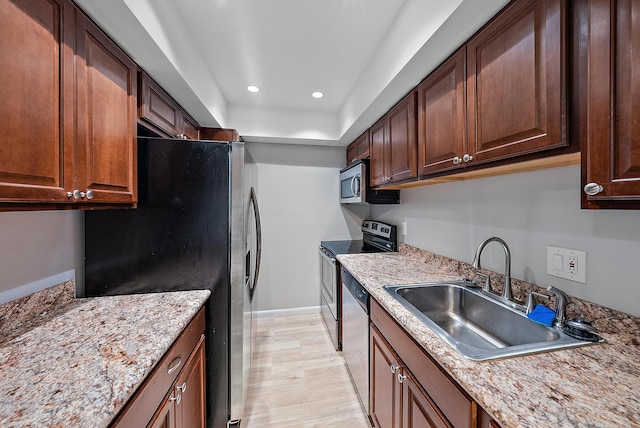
(196, 226)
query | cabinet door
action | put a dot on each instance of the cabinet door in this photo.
(378, 168)
(441, 117)
(516, 82)
(359, 149)
(35, 64)
(611, 157)
(403, 140)
(386, 390)
(157, 107)
(165, 417)
(191, 410)
(106, 91)
(189, 127)
(418, 411)
(352, 153)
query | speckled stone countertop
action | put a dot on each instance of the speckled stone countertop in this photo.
(76, 362)
(592, 386)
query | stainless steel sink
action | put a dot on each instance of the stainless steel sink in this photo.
(478, 326)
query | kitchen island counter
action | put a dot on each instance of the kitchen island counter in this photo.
(581, 387)
(78, 362)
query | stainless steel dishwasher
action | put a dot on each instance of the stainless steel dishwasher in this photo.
(355, 334)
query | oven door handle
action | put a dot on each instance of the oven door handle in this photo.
(327, 258)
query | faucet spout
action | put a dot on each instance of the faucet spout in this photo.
(506, 290)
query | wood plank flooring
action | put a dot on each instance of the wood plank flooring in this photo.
(298, 379)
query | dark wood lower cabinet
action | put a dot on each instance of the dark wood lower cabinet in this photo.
(397, 400)
(408, 388)
(386, 391)
(173, 395)
(417, 409)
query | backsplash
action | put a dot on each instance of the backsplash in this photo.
(604, 319)
(26, 313)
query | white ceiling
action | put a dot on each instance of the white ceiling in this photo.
(364, 55)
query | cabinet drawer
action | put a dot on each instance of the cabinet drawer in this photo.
(145, 401)
(454, 403)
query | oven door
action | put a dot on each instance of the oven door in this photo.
(329, 296)
(328, 286)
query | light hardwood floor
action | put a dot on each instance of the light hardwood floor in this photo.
(298, 379)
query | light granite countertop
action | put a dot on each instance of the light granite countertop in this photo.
(592, 386)
(76, 362)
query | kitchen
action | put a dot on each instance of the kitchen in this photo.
(530, 210)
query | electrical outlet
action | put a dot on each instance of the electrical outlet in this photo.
(567, 263)
(403, 225)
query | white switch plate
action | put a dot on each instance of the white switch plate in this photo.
(403, 225)
(567, 263)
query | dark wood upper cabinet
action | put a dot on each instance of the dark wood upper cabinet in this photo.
(162, 114)
(106, 97)
(394, 144)
(442, 140)
(611, 155)
(378, 152)
(36, 71)
(516, 82)
(359, 149)
(69, 110)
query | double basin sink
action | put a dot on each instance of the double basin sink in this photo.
(478, 326)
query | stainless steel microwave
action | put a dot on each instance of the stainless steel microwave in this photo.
(355, 188)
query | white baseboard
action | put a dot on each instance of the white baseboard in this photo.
(285, 312)
(32, 287)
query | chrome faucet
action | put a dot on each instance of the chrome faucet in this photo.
(506, 291)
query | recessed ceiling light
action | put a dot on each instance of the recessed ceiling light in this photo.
(253, 88)
(317, 95)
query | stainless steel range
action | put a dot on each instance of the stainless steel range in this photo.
(377, 237)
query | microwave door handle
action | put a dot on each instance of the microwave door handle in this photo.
(353, 185)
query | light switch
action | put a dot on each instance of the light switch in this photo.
(557, 262)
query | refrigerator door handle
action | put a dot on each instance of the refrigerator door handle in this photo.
(254, 202)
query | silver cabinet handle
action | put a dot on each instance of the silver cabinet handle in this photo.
(77, 194)
(401, 377)
(457, 160)
(175, 366)
(593, 189)
(354, 160)
(394, 368)
(69, 195)
(467, 157)
(176, 398)
(90, 194)
(182, 387)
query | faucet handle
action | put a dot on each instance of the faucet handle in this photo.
(561, 304)
(486, 286)
(531, 300)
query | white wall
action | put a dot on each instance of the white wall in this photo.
(37, 250)
(298, 199)
(529, 211)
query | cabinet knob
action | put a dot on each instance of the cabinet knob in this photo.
(593, 189)
(182, 387)
(69, 195)
(457, 160)
(90, 194)
(354, 160)
(77, 194)
(467, 157)
(394, 368)
(401, 377)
